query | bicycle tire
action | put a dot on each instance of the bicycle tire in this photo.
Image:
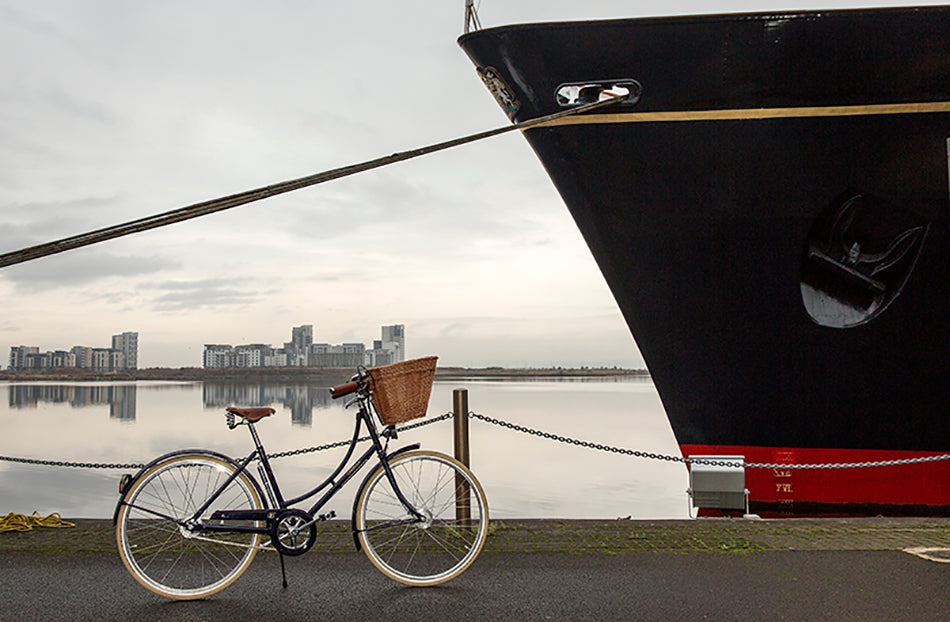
(441, 547)
(161, 554)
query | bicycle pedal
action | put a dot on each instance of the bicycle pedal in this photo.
(327, 516)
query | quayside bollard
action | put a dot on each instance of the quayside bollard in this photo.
(462, 490)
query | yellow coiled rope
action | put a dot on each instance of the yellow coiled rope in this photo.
(22, 522)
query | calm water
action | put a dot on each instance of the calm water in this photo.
(524, 476)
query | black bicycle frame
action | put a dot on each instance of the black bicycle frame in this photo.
(271, 486)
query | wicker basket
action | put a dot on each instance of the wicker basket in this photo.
(401, 390)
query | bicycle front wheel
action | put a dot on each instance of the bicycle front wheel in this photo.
(165, 555)
(453, 507)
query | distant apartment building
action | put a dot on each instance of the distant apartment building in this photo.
(82, 355)
(128, 344)
(302, 336)
(394, 339)
(346, 355)
(302, 351)
(20, 354)
(122, 355)
(377, 355)
(251, 355)
(102, 359)
(218, 355)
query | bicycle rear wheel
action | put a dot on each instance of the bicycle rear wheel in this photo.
(160, 552)
(438, 548)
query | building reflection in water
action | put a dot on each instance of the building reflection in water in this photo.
(299, 399)
(120, 398)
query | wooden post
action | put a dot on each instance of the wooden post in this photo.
(463, 492)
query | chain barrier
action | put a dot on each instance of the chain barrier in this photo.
(532, 432)
(76, 465)
(362, 439)
(703, 461)
(282, 454)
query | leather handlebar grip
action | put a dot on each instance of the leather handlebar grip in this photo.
(344, 389)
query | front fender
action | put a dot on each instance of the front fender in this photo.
(359, 491)
(125, 485)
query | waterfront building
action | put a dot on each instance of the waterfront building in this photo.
(61, 358)
(38, 360)
(278, 358)
(82, 355)
(302, 336)
(379, 355)
(394, 339)
(250, 355)
(102, 359)
(218, 355)
(18, 355)
(346, 355)
(128, 344)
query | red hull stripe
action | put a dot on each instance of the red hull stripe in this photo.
(912, 484)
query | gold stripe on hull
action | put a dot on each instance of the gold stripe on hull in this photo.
(743, 114)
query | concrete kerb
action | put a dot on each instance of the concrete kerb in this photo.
(931, 536)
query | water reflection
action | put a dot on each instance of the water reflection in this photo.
(119, 397)
(300, 400)
(524, 475)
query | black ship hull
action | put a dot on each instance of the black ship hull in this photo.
(769, 206)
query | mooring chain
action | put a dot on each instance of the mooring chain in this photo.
(571, 441)
(77, 465)
(362, 439)
(703, 461)
(533, 432)
(295, 452)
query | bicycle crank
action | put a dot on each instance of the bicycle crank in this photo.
(293, 532)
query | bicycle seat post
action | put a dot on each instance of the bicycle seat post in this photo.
(257, 439)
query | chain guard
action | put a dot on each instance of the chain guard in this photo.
(289, 535)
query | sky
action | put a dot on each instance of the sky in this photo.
(116, 110)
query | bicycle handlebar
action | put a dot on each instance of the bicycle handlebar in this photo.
(344, 389)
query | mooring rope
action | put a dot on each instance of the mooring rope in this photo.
(22, 522)
(249, 196)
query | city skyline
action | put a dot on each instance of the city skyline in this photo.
(302, 351)
(122, 355)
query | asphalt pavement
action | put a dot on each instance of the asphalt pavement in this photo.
(733, 569)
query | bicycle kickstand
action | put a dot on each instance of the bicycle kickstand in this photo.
(283, 570)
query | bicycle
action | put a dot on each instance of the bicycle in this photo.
(189, 523)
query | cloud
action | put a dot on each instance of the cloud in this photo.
(204, 293)
(35, 222)
(80, 268)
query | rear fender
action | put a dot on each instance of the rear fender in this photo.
(128, 480)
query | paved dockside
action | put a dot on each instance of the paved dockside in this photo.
(724, 569)
(595, 536)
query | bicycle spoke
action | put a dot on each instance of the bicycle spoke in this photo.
(435, 548)
(160, 552)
